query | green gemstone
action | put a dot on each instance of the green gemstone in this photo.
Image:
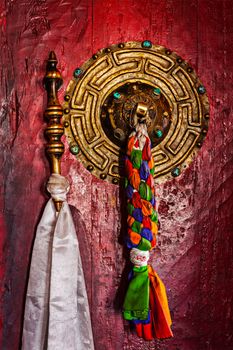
(175, 172)
(157, 91)
(158, 133)
(74, 149)
(77, 72)
(117, 95)
(147, 44)
(201, 89)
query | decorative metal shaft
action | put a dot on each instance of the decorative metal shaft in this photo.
(53, 114)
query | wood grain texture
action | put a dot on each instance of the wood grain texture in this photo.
(195, 248)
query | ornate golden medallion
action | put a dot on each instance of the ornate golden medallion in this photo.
(101, 100)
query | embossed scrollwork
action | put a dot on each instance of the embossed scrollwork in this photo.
(103, 95)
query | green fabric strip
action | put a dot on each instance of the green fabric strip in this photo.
(136, 304)
(136, 158)
(154, 216)
(144, 244)
(136, 227)
(130, 208)
(145, 191)
(152, 171)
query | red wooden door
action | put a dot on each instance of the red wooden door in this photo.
(194, 254)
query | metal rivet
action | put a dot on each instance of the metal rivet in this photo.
(67, 97)
(95, 56)
(179, 60)
(207, 116)
(204, 131)
(175, 172)
(90, 167)
(119, 134)
(66, 124)
(121, 45)
(108, 50)
(77, 72)
(147, 44)
(168, 52)
(201, 89)
(74, 149)
(115, 181)
(190, 69)
(103, 176)
(199, 144)
(66, 110)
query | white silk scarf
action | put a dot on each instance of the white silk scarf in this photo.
(56, 311)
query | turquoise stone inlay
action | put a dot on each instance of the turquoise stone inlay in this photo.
(175, 172)
(77, 72)
(117, 95)
(158, 133)
(147, 44)
(74, 149)
(157, 91)
(201, 89)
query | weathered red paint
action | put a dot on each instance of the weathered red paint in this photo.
(195, 250)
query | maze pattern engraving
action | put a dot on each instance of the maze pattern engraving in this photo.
(109, 70)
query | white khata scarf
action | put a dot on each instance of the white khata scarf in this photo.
(56, 311)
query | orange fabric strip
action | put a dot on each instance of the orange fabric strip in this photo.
(130, 145)
(160, 314)
(135, 179)
(154, 228)
(134, 237)
(146, 207)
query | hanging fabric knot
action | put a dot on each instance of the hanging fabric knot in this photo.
(145, 301)
(139, 257)
(57, 311)
(58, 186)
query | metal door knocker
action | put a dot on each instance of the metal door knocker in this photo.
(102, 98)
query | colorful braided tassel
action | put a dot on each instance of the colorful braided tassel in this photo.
(145, 302)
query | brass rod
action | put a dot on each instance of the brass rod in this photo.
(53, 114)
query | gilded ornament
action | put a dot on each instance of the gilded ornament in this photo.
(103, 104)
(53, 115)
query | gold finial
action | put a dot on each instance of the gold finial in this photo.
(53, 114)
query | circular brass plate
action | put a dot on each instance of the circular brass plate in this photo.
(91, 92)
